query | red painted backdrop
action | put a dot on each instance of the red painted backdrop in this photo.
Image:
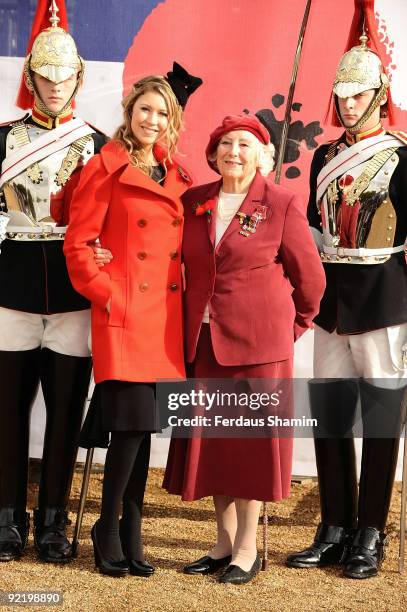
(244, 52)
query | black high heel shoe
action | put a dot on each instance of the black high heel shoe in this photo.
(140, 568)
(109, 568)
(137, 568)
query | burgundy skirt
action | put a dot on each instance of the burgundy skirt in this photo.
(249, 468)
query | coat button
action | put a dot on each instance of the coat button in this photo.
(177, 221)
(174, 255)
(174, 287)
(142, 222)
(141, 255)
(143, 287)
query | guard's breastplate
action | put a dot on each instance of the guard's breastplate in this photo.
(35, 197)
(357, 213)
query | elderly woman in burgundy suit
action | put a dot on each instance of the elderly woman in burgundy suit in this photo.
(249, 296)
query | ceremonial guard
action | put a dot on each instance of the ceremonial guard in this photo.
(357, 210)
(44, 323)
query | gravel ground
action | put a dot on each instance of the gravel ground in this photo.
(177, 532)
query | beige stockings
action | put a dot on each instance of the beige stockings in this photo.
(237, 521)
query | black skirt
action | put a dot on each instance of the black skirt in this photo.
(119, 406)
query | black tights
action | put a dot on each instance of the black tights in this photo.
(125, 476)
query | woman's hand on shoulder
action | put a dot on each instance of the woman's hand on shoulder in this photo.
(101, 256)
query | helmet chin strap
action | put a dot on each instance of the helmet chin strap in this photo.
(375, 103)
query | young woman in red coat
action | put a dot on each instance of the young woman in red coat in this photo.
(249, 296)
(129, 197)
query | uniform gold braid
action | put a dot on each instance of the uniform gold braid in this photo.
(69, 163)
(353, 192)
(71, 160)
(329, 157)
(399, 134)
(331, 152)
(19, 130)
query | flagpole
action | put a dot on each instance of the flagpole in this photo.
(403, 507)
(279, 164)
(291, 91)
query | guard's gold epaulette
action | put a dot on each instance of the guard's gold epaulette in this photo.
(399, 134)
(13, 121)
(332, 149)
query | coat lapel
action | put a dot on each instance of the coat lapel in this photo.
(211, 225)
(175, 183)
(211, 193)
(255, 196)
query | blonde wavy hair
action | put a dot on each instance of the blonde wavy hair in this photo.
(124, 134)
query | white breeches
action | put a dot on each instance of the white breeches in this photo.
(66, 333)
(373, 355)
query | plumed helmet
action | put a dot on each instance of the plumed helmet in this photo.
(360, 69)
(51, 53)
(54, 54)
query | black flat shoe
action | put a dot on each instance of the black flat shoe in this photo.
(50, 539)
(234, 574)
(109, 568)
(206, 565)
(366, 554)
(14, 528)
(330, 547)
(140, 568)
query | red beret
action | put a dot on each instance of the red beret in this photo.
(231, 123)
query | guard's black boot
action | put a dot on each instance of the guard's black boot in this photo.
(14, 528)
(333, 404)
(65, 382)
(19, 378)
(50, 539)
(382, 415)
(329, 548)
(366, 553)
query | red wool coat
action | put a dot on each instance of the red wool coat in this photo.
(263, 290)
(141, 222)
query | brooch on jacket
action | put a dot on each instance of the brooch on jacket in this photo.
(202, 208)
(184, 175)
(249, 223)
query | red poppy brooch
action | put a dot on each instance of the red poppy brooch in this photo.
(202, 208)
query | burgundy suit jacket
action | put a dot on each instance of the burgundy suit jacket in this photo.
(263, 290)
